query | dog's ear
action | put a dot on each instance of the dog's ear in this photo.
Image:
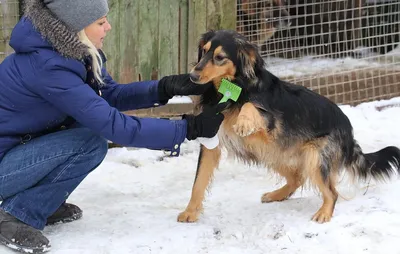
(249, 58)
(203, 40)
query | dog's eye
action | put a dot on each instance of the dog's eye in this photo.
(219, 58)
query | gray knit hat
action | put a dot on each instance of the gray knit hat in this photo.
(77, 14)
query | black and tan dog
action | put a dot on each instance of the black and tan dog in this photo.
(297, 133)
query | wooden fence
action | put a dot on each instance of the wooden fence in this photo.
(151, 39)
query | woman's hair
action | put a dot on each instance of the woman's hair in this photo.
(96, 58)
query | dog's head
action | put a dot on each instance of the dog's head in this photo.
(226, 54)
(260, 20)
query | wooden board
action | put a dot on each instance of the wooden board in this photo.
(148, 38)
(111, 41)
(128, 41)
(183, 36)
(168, 47)
(197, 26)
(9, 16)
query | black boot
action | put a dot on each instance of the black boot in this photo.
(21, 237)
(65, 213)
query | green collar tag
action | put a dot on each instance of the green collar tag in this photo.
(229, 91)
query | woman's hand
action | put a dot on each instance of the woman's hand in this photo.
(205, 124)
(172, 85)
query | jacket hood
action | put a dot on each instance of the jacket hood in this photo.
(39, 28)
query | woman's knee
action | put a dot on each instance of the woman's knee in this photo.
(95, 147)
(45, 156)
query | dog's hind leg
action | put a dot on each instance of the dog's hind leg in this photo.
(323, 175)
(294, 180)
(207, 163)
(330, 195)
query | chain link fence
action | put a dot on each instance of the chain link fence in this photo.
(347, 50)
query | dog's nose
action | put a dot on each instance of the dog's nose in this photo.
(194, 77)
(282, 18)
(282, 23)
(285, 22)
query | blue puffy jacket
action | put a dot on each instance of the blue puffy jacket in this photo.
(40, 88)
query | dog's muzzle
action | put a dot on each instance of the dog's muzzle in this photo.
(194, 77)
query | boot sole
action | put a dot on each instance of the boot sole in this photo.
(21, 248)
(65, 220)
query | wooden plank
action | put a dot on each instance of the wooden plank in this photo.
(167, 111)
(129, 41)
(168, 51)
(183, 36)
(228, 14)
(9, 16)
(221, 14)
(2, 35)
(148, 38)
(213, 15)
(111, 42)
(197, 25)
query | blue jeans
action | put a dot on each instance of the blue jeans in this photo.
(38, 176)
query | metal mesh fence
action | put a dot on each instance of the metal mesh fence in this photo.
(9, 16)
(347, 50)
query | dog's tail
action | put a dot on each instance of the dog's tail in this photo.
(380, 165)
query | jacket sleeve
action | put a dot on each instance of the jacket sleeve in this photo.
(135, 95)
(67, 92)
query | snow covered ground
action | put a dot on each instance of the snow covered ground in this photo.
(132, 200)
(309, 66)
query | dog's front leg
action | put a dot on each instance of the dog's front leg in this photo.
(207, 163)
(249, 120)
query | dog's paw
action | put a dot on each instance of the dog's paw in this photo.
(265, 198)
(244, 126)
(187, 217)
(322, 216)
(272, 197)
